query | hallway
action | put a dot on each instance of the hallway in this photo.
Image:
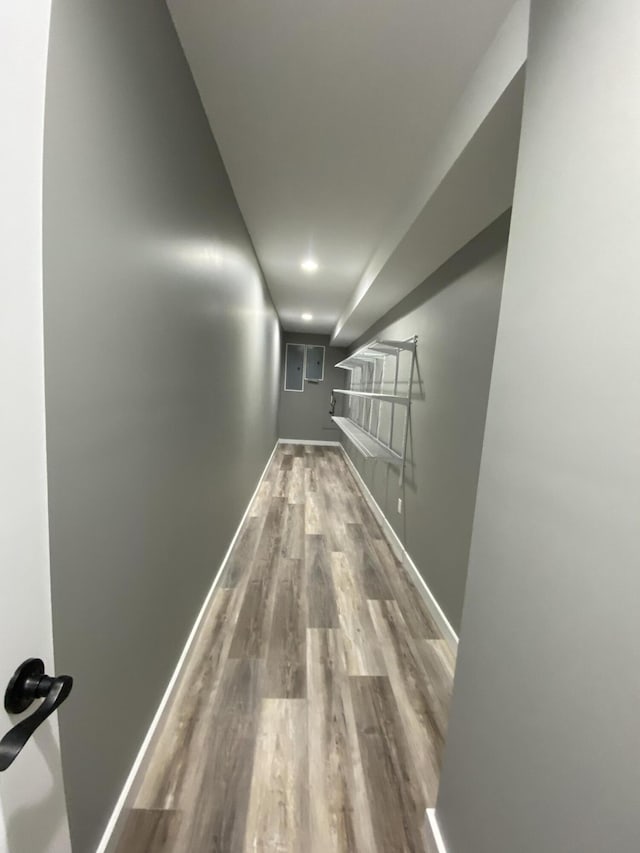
(311, 712)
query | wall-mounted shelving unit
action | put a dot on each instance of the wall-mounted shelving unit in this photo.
(370, 420)
(373, 395)
(368, 445)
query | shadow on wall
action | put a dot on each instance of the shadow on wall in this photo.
(38, 826)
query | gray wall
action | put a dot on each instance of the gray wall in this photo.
(306, 415)
(455, 315)
(543, 754)
(162, 357)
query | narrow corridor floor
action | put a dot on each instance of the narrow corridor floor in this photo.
(312, 710)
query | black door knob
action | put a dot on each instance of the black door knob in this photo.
(27, 684)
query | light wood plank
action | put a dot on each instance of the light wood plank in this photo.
(251, 634)
(321, 599)
(412, 606)
(181, 732)
(362, 646)
(286, 653)
(278, 806)
(149, 829)
(368, 569)
(260, 504)
(243, 552)
(293, 528)
(217, 798)
(296, 486)
(420, 709)
(313, 516)
(340, 821)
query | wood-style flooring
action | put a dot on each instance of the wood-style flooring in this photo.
(312, 711)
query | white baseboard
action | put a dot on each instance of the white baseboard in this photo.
(305, 441)
(435, 830)
(109, 836)
(405, 558)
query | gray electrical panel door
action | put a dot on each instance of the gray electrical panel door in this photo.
(294, 367)
(315, 363)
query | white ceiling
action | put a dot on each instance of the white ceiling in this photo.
(325, 111)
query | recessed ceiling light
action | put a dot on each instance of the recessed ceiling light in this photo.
(309, 265)
(306, 317)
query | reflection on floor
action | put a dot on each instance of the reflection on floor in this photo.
(312, 712)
